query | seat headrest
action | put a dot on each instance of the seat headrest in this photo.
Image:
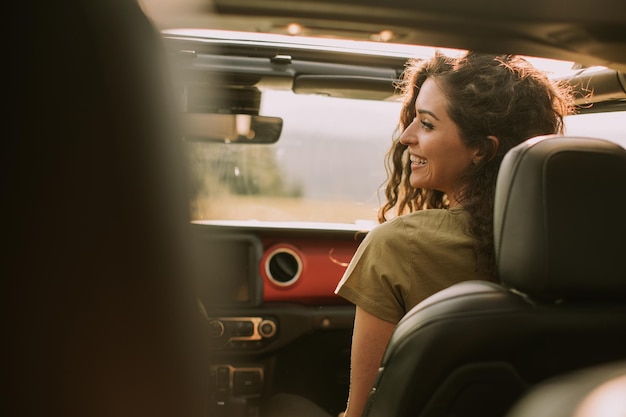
(559, 225)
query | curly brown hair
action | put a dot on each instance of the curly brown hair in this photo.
(488, 95)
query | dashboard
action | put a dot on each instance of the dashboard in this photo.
(267, 293)
(249, 266)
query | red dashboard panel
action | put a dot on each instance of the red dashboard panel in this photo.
(294, 263)
(317, 265)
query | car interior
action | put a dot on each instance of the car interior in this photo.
(474, 348)
(124, 293)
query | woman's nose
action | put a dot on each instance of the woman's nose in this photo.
(409, 135)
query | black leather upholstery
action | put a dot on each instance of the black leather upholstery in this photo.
(599, 391)
(473, 349)
(559, 229)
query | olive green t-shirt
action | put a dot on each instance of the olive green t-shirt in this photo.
(405, 260)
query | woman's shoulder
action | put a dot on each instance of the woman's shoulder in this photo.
(428, 215)
(422, 219)
(390, 226)
(437, 221)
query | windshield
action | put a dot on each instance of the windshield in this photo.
(326, 170)
(328, 165)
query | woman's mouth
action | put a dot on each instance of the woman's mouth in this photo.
(416, 160)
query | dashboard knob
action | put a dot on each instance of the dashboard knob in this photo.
(216, 328)
(267, 328)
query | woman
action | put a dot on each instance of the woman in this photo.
(460, 117)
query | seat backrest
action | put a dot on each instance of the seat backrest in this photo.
(598, 391)
(97, 299)
(474, 348)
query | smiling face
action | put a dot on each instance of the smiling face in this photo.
(437, 153)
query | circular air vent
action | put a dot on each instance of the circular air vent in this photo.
(283, 266)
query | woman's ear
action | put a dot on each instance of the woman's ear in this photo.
(487, 151)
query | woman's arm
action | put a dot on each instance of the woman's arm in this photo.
(369, 341)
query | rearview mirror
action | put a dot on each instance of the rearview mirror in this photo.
(231, 128)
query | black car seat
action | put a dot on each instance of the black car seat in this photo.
(99, 312)
(476, 347)
(598, 391)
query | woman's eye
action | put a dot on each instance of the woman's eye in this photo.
(426, 125)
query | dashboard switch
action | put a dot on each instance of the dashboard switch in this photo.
(247, 382)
